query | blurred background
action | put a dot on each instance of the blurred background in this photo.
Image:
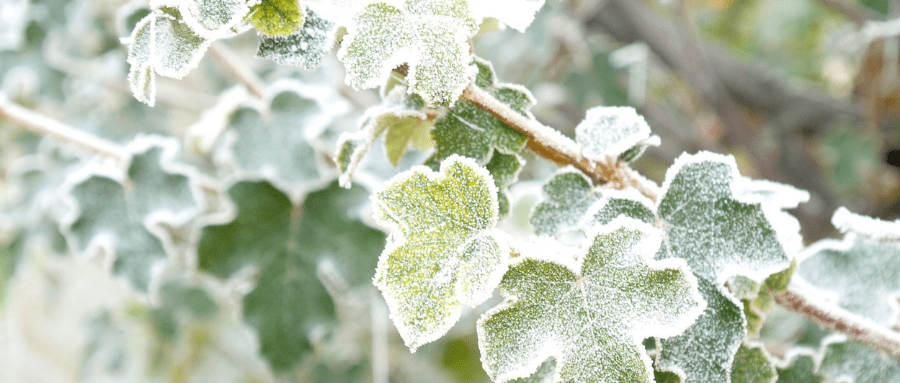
(803, 92)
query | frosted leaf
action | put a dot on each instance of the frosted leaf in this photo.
(443, 252)
(607, 132)
(846, 361)
(277, 17)
(721, 236)
(758, 298)
(400, 115)
(516, 13)
(274, 142)
(504, 169)
(288, 245)
(798, 367)
(566, 198)
(161, 43)
(591, 314)
(124, 217)
(857, 274)
(429, 35)
(544, 374)
(873, 228)
(13, 20)
(305, 48)
(214, 19)
(752, 365)
(629, 203)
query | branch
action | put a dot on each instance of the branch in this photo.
(552, 145)
(236, 68)
(47, 126)
(837, 319)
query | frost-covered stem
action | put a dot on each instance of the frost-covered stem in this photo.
(837, 319)
(47, 126)
(237, 69)
(552, 145)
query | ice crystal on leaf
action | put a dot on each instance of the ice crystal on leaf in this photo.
(162, 43)
(857, 273)
(429, 35)
(288, 246)
(124, 216)
(214, 18)
(566, 198)
(591, 314)
(443, 251)
(608, 132)
(721, 232)
(305, 48)
(277, 17)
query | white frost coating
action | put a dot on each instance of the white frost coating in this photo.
(846, 361)
(771, 193)
(588, 221)
(610, 131)
(14, 18)
(214, 19)
(517, 14)
(872, 228)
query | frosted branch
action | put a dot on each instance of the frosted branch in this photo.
(552, 145)
(237, 69)
(837, 319)
(47, 126)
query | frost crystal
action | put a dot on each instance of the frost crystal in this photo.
(868, 227)
(858, 274)
(607, 132)
(429, 35)
(162, 43)
(305, 48)
(443, 251)
(591, 314)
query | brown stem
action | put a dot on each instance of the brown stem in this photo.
(837, 319)
(552, 145)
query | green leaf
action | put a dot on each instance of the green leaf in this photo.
(722, 231)
(857, 273)
(162, 43)
(843, 360)
(752, 365)
(277, 17)
(214, 19)
(443, 252)
(591, 314)
(275, 142)
(799, 367)
(291, 247)
(566, 198)
(124, 217)
(504, 168)
(305, 48)
(608, 132)
(429, 35)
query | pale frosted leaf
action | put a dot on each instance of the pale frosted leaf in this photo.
(873, 228)
(607, 132)
(428, 35)
(516, 13)
(277, 17)
(799, 366)
(566, 198)
(162, 44)
(13, 20)
(274, 142)
(846, 361)
(752, 365)
(857, 274)
(124, 217)
(214, 18)
(443, 252)
(544, 374)
(614, 203)
(305, 48)
(591, 314)
(288, 245)
(504, 168)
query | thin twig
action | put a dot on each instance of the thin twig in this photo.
(47, 126)
(837, 319)
(237, 69)
(552, 145)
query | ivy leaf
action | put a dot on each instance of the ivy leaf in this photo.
(430, 36)
(799, 367)
(566, 198)
(290, 246)
(214, 19)
(275, 142)
(608, 132)
(124, 217)
(868, 227)
(305, 48)
(752, 365)
(544, 374)
(162, 43)
(843, 360)
(443, 252)
(504, 168)
(593, 315)
(857, 273)
(277, 17)
(721, 233)
(516, 13)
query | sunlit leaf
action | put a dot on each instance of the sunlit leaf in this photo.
(277, 17)
(608, 132)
